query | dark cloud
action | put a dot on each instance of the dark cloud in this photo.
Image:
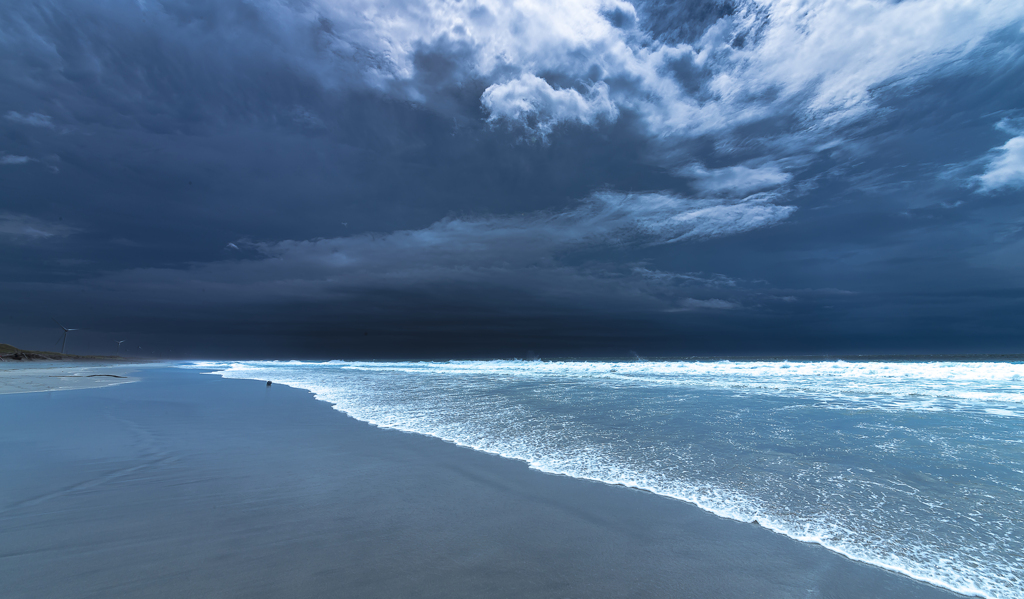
(419, 178)
(21, 228)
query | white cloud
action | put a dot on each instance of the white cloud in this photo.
(1006, 168)
(809, 66)
(1011, 125)
(815, 63)
(34, 119)
(833, 52)
(691, 304)
(740, 179)
(606, 218)
(839, 50)
(714, 280)
(12, 159)
(533, 103)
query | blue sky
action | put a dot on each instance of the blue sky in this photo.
(458, 179)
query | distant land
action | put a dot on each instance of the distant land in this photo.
(9, 352)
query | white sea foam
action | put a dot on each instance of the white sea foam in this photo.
(926, 386)
(822, 464)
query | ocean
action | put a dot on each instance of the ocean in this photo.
(915, 466)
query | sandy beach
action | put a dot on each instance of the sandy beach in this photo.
(34, 377)
(186, 484)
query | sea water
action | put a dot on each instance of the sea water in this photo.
(917, 467)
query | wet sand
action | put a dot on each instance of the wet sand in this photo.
(33, 377)
(185, 484)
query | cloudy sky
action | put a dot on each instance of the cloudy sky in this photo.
(478, 178)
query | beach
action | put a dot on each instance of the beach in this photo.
(34, 377)
(185, 484)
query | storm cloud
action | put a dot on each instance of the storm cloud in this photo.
(577, 177)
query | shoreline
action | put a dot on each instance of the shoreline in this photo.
(186, 483)
(898, 571)
(37, 377)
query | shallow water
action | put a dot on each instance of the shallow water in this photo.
(914, 466)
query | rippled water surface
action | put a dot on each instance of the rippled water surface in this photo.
(914, 466)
